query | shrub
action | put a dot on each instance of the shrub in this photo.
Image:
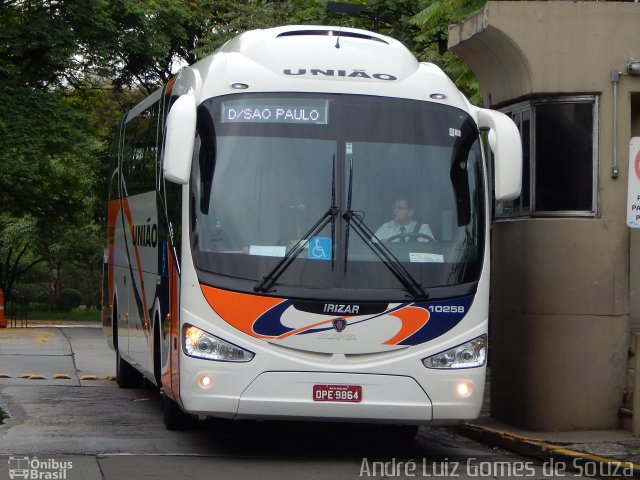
(32, 293)
(67, 299)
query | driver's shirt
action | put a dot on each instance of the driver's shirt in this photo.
(391, 228)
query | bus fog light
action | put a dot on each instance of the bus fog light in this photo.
(468, 355)
(464, 389)
(200, 344)
(205, 381)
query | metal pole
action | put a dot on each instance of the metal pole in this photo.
(615, 79)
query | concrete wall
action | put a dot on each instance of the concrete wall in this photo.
(525, 47)
(558, 324)
(562, 294)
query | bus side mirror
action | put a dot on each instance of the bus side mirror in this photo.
(180, 134)
(505, 143)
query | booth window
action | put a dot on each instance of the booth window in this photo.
(560, 144)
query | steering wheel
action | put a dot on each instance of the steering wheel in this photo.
(414, 236)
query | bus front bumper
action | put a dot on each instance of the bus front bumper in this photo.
(290, 395)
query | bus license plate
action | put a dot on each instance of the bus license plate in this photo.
(337, 393)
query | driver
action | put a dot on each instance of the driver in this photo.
(403, 227)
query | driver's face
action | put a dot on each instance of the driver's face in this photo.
(402, 213)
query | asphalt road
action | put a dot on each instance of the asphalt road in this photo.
(69, 420)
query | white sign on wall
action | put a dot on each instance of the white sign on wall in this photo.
(633, 192)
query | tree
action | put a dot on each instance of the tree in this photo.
(49, 156)
(16, 238)
(430, 43)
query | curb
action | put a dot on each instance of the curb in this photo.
(57, 376)
(548, 452)
(56, 324)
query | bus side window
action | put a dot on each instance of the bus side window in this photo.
(206, 157)
(140, 152)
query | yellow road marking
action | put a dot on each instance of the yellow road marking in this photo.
(25, 334)
(44, 338)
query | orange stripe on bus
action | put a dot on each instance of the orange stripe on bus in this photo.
(239, 310)
(112, 217)
(412, 318)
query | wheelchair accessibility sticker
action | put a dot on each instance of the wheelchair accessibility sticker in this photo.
(320, 248)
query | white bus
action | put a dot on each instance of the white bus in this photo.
(298, 228)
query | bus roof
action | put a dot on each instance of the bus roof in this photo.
(323, 59)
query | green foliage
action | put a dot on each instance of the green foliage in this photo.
(430, 43)
(67, 299)
(16, 253)
(43, 311)
(151, 37)
(50, 43)
(32, 293)
(50, 149)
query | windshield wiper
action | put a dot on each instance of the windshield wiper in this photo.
(394, 265)
(269, 279)
(347, 230)
(333, 218)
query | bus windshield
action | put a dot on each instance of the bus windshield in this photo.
(268, 167)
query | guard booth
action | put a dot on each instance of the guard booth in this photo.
(566, 266)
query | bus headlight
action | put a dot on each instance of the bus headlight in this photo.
(200, 344)
(468, 355)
